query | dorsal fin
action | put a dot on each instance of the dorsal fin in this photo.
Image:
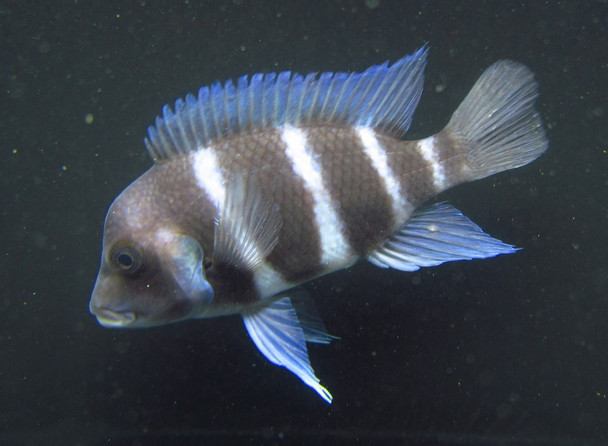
(383, 97)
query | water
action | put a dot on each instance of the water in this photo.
(504, 351)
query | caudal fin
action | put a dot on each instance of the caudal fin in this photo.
(497, 123)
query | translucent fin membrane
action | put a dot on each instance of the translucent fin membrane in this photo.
(383, 97)
(434, 235)
(497, 122)
(278, 334)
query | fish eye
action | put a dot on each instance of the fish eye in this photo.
(126, 259)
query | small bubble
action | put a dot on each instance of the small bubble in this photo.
(88, 118)
(372, 4)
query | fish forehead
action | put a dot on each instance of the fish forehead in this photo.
(165, 196)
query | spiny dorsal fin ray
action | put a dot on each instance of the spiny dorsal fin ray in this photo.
(383, 97)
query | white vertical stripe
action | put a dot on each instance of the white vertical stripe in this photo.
(427, 149)
(335, 249)
(379, 160)
(209, 176)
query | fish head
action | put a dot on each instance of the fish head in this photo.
(151, 272)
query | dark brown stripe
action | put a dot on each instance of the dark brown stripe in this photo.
(410, 168)
(452, 156)
(355, 187)
(178, 200)
(416, 174)
(262, 154)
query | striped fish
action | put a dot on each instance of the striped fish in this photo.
(263, 184)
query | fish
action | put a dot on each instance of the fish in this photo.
(262, 184)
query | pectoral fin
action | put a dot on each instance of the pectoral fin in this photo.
(433, 235)
(280, 337)
(248, 228)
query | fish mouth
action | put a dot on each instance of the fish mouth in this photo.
(110, 318)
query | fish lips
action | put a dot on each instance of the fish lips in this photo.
(113, 319)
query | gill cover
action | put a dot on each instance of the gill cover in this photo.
(185, 264)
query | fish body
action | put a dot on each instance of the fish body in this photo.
(261, 185)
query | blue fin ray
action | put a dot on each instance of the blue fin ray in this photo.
(277, 333)
(383, 97)
(433, 235)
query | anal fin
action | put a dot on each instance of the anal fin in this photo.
(433, 235)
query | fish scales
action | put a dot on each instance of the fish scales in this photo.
(298, 247)
(357, 191)
(263, 185)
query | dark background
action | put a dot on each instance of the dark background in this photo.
(512, 350)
